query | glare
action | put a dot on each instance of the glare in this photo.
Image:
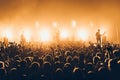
(73, 23)
(27, 34)
(49, 33)
(7, 33)
(54, 24)
(64, 33)
(102, 30)
(37, 24)
(45, 35)
(82, 34)
(91, 24)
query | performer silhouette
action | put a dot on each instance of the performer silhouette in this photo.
(98, 36)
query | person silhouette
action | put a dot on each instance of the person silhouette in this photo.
(98, 36)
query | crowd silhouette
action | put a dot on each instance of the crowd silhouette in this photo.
(62, 61)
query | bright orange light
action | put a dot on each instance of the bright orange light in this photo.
(45, 35)
(7, 33)
(27, 34)
(91, 24)
(82, 34)
(37, 24)
(64, 33)
(102, 30)
(73, 23)
(54, 24)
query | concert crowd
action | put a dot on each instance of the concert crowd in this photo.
(60, 61)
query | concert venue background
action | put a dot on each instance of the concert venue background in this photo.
(59, 39)
(70, 17)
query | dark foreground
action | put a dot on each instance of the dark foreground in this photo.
(64, 61)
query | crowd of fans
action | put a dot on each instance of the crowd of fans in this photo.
(62, 61)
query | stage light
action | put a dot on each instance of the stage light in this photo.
(82, 34)
(54, 24)
(7, 33)
(91, 24)
(64, 33)
(27, 35)
(73, 23)
(45, 35)
(37, 24)
(102, 30)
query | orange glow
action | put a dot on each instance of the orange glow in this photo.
(7, 33)
(37, 24)
(27, 35)
(48, 33)
(45, 35)
(82, 34)
(55, 24)
(73, 23)
(102, 30)
(58, 13)
(64, 34)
